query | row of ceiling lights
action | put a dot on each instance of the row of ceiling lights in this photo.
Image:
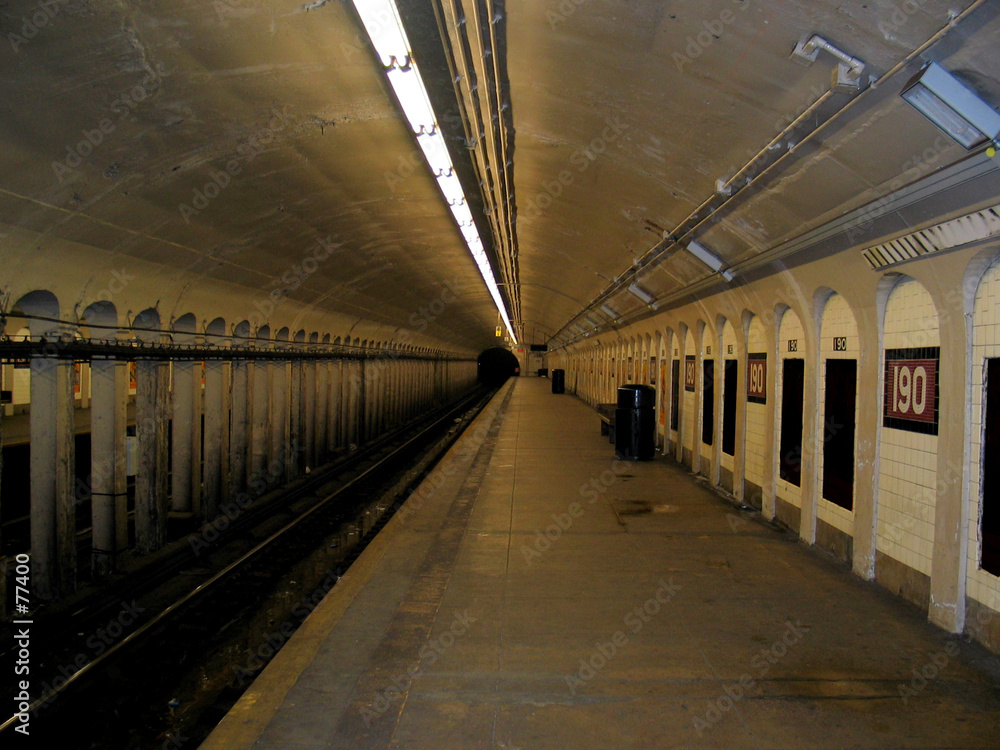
(933, 91)
(385, 30)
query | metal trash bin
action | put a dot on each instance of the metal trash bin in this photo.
(635, 423)
(558, 381)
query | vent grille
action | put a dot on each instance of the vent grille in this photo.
(960, 231)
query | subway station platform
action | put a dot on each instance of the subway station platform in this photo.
(536, 594)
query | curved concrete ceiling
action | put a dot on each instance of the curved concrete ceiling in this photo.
(214, 145)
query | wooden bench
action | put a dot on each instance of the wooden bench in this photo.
(607, 414)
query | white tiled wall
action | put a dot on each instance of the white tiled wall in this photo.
(791, 328)
(757, 452)
(728, 340)
(982, 586)
(908, 461)
(838, 320)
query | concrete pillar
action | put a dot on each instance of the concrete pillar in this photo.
(217, 395)
(771, 436)
(151, 416)
(185, 466)
(714, 472)
(405, 366)
(302, 443)
(241, 394)
(3, 559)
(53, 475)
(682, 415)
(812, 444)
(367, 390)
(413, 387)
(280, 448)
(867, 436)
(373, 388)
(353, 386)
(739, 457)
(108, 481)
(698, 418)
(951, 539)
(259, 425)
(310, 411)
(397, 394)
(296, 424)
(335, 419)
(320, 420)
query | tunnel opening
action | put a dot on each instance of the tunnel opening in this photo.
(496, 365)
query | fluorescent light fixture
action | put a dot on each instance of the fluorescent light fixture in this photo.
(609, 312)
(952, 106)
(705, 255)
(711, 260)
(593, 323)
(385, 30)
(641, 293)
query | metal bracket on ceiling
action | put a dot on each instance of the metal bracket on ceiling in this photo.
(846, 77)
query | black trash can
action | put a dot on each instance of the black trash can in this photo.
(635, 423)
(558, 381)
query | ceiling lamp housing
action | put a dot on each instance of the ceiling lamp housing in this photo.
(952, 106)
(641, 293)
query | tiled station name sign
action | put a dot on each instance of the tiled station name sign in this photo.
(911, 390)
(757, 377)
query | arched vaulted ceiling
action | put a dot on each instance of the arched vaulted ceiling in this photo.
(216, 146)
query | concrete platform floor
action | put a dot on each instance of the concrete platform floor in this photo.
(545, 596)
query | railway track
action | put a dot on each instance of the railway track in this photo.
(160, 656)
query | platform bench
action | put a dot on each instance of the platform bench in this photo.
(607, 414)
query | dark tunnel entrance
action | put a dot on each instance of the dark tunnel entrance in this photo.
(496, 365)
